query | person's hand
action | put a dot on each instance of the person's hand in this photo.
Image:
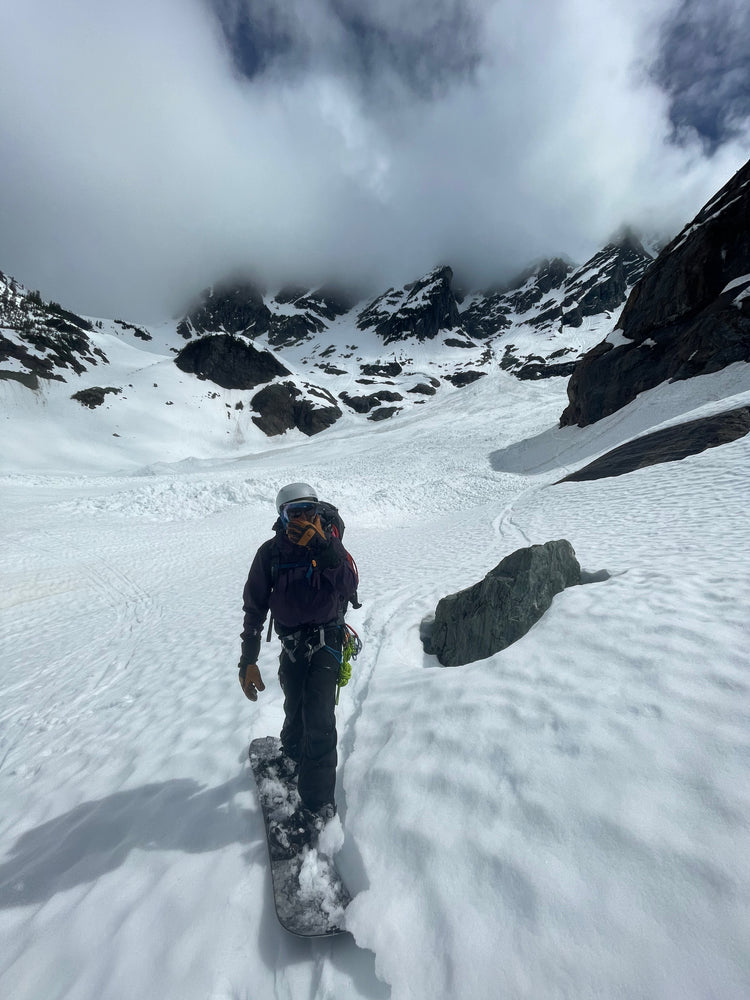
(306, 533)
(250, 680)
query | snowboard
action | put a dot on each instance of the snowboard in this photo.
(308, 892)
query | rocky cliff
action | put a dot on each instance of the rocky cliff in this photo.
(688, 315)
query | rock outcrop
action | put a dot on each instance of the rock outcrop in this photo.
(281, 407)
(688, 315)
(95, 395)
(485, 618)
(669, 445)
(41, 340)
(363, 404)
(228, 308)
(419, 310)
(240, 308)
(602, 283)
(554, 294)
(230, 362)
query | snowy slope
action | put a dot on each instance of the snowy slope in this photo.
(160, 413)
(567, 819)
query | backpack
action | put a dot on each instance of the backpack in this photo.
(333, 521)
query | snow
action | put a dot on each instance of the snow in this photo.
(743, 289)
(617, 338)
(569, 818)
(737, 283)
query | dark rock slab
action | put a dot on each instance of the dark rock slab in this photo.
(363, 404)
(280, 409)
(228, 361)
(485, 618)
(460, 379)
(94, 396)
(384, 412)
(669, 445)
(536, 370)
(389, 369)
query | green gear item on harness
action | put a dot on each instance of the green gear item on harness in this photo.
(350, 650)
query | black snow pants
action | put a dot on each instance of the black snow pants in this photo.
(308, 673)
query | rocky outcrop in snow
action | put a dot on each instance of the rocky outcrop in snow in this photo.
(230, 362)
(283, 406)
(689, 314)
(41, 340)
(481, 620)
(669, 445)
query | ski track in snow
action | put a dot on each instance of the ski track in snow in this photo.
(567, 819)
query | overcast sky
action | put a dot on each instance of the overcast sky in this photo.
(147, 148)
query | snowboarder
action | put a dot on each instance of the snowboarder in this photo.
(305, 577)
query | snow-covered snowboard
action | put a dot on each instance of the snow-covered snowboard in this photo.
(309, 895)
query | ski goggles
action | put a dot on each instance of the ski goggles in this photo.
(298, 508)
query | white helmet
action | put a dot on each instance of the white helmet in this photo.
(294, 491)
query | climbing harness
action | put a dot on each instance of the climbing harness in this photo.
(307, 642)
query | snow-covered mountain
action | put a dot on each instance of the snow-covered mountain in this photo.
(243, 361)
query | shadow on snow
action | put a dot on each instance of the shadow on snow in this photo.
(96, 837)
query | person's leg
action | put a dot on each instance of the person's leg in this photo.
(317, 772)
(292, 679)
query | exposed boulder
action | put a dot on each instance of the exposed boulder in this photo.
(420, 310)
(388, 370)
(384, 412)
(137, 331)
(492, 614)
(332, 370)
(669, 445)
(363, 404)
(460, 379)
(94, 396)
(230, 362)
(688, 315)
(282, 407)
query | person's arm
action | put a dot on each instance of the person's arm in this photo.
(255, 598)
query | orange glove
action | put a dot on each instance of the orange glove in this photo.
(305, 533)
(250, 681)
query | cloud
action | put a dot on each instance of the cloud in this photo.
(704, 65)
(150, 148)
